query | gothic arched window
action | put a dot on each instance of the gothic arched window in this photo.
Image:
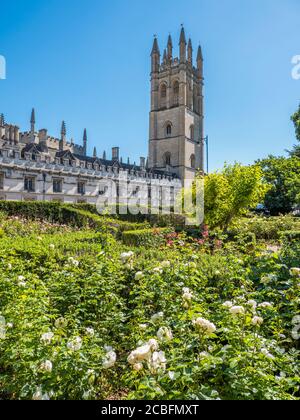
(167, 159)
(193, 161)
(176, 93)
(163, 95)
(168, 130)
(192, 132)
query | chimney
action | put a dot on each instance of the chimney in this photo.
(43, 135)
(115, 153)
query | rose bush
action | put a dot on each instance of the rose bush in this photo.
(87, 317)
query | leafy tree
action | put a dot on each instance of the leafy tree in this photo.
(231, 192)
(296, 120)
(283, 174)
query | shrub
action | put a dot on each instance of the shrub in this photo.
(146, 237)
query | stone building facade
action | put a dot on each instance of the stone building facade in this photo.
(177, 116)
(37, 166)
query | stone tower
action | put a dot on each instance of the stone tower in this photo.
(176, 118)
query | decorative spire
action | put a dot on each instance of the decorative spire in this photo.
(2, 120)
(85, 139)
(182, 36)
(128, 161)
(104, 155)
(182, 45)
(190, 52)
(95, 152)
(63, 136)
(155, 48)
(63, 130)
(32, 120)
(199, 55)
(200, 62)
(170, 48)
(155, 56)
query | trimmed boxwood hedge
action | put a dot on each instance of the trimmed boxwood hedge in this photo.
(66, 214)
(146, 237)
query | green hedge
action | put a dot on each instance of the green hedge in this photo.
(67, 214)
(146, 237)
(290, 236)
(159, 220)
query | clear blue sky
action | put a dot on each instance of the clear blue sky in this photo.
(87, 62)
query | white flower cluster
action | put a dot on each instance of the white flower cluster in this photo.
(295, 272)
(139, 276)
(75, 344)
(237, 310)
(22, 281)
(40, 396)
(205, 326)
(47, 338)
(61, 323)
(148, 353)
(46, 366)
(110, 358)
(74, 262)
(269, 279)
(187, 297)
(156, 318)
(164, 334)
(90, 332)
(265, 305)
(257, 321)
(127, 256)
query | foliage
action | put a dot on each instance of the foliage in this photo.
(265, 228)
(146, 237)
(283, 174)
(87, 317)
(296, 120)
(231, 192)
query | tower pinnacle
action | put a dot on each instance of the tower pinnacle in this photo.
(2, 120)
(32, 120)
(85, 142)
(182, 45)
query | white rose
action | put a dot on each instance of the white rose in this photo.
(157, 317)
(158, 361)
(252, 303)
(138, 367)
(47, 338)
(143, 327)
(153, 344)
(164, 334)
(228, 304)
(46, 366)
(139, 276)
(61, 323)
(75, 344)
(109, 360)
(140, 354)
(52, 246)
(237, 310)
(39, 396)
(157, 270)
(205, 326)
(265, 305)
(90, 332)
(166, 264)
(257, 321)
(295, 272)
